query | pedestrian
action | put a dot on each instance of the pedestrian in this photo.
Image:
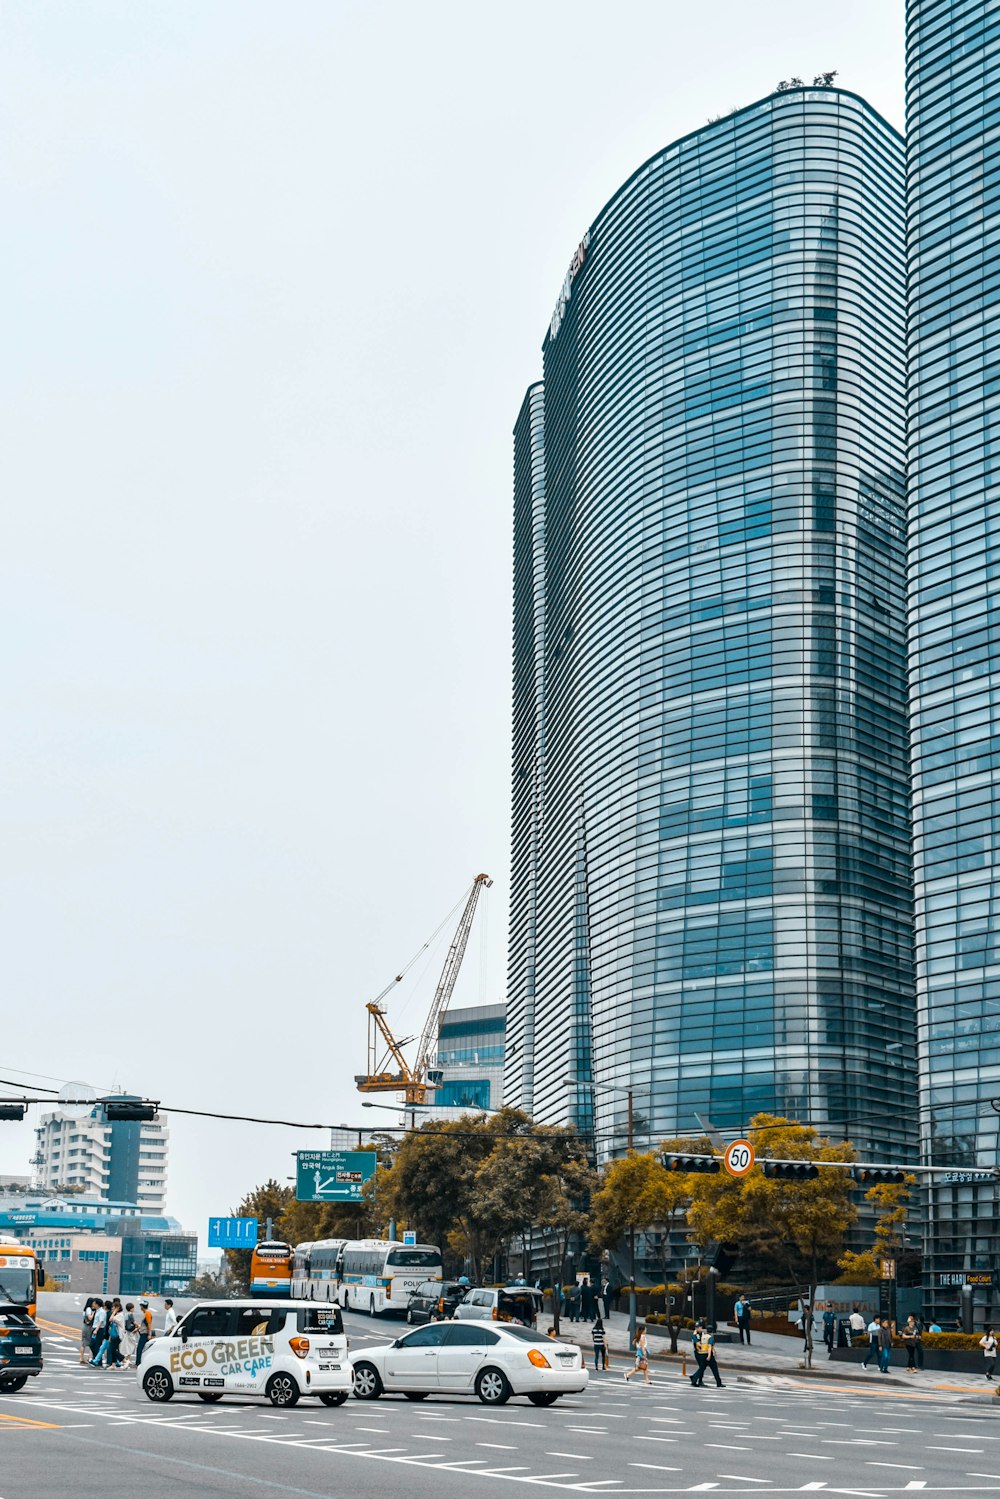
(913, 1342)
(745, 1320)
(829, 1328)
(616, 1296)
(87, 1329)
(988, 1344)
(129, 1336)
(116, 1334)
(641, 1357)
(884, 1346)
(606, 1297)
(574, 1302)
(857, 1323)
(586, 1300)
(100, 1342)
(700, 1358)
(738, 1315)
(871, 1352)
(706, 1359)
(170, 1317)
(600, 1345)
(934, 1327)
(145, 1330)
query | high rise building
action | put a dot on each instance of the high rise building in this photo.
(109, 1161)
(711, 899)
(953, 175)
(469, 1058)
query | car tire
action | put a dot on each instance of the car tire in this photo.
(282, 1391)
(329, 1397)
(157, 1385)
(16, 1382)
(493, 1387)
(367, 1382)
(209, 1395)
(416, 1394)
(543, 1397)
(409, 1316)
(371, 1306)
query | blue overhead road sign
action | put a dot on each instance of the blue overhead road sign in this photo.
(232, 1233)
(332, 1175)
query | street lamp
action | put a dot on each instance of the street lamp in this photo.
(409, 1108)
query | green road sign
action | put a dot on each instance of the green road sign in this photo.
(332, 1175)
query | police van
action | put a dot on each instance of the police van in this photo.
(282, 1350)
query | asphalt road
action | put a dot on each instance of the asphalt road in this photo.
(80, 1433)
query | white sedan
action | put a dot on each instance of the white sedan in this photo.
(470, 1358)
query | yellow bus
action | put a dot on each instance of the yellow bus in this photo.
(20, 1274)
(271, 1269)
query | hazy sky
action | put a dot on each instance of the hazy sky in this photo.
(276, 278)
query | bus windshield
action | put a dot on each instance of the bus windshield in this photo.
(17, 1284)
(400, 1257)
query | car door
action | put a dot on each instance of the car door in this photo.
(411, 1363)
(466, 1348)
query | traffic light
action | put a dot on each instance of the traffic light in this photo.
(691, 1163)
(871, 1176)
(130, 1110)
(790, 1171)
(12, 1110)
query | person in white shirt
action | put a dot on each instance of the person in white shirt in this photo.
(988, 1344)
(170, 1317)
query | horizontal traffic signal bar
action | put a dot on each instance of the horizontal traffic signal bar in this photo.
(798, 1171)
(691, 1163)
(868, 1173)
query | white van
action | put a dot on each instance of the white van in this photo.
(281, 1349)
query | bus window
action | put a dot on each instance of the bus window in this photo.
(414, 1257)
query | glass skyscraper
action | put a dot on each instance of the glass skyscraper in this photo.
(953, 172)
(711, 891)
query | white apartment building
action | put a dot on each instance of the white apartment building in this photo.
(123, 1161)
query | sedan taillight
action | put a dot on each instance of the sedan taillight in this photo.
(536, 1357)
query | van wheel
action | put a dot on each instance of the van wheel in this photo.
(416, 1394)
(493, 1387)
(16, 1382)
(157, 1385)
(367, 1382)
(371, 1306)
(209, 1395)
(543, 1397)
(329, 1398)
(282, 1390)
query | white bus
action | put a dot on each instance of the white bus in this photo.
(377, 1275)
(316, 1270)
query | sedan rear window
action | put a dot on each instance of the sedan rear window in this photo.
(525, 1334)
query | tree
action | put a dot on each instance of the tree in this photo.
(213, 1283)
(800, 1222)
(272, 1200)
(891, 1201)
(637, 1194)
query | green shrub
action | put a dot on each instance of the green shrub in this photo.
(952, 1340)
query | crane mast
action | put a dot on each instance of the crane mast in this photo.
(388, 1069)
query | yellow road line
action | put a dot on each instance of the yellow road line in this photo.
(58, 1327)
(26, 1421)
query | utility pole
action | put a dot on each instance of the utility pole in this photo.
(631, 1248)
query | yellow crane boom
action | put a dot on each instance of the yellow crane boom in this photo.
(388, 1069)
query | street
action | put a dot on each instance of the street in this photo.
(87, 1432)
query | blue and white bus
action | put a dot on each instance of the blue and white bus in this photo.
(378, 1275)
(316, 1270)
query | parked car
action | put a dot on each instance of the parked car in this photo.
(280, 1349)
(501, 1304)
(468, 1358)
(434, 1300)
(20, 1348)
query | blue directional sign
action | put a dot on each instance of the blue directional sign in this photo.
(333, 1175)
(232, 1233)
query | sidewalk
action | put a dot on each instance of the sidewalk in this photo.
(772, 1354)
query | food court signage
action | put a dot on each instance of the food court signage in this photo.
(966, 1278)
(566, 290)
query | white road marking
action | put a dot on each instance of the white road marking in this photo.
(816, 1456)
(969, 1451)
(743, 1478)
(909, 1467)
(502, 1446)
(658, 1467)
(917, 1483)
(725, 1447)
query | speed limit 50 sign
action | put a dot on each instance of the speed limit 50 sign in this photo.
(739, 1158)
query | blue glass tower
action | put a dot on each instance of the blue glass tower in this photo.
(953, 174)
(711, 899)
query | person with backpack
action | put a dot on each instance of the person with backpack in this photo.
(988, 1344)
(130, 1336)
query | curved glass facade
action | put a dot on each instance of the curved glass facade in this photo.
(711, 895)
(953, 167)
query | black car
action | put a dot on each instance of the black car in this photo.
(434, 1300)
(20, 1348)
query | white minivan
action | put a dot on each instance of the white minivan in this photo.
(281, 1349)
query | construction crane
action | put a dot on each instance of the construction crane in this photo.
(384, 1051)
